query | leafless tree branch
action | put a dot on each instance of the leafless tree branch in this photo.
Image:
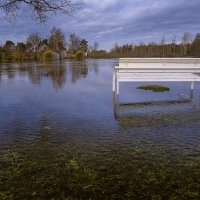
(41, 8)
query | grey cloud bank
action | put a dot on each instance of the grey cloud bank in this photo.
(111, 21)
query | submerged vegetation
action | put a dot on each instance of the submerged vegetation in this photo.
(73, 173)
(154, 88)
(49, 153)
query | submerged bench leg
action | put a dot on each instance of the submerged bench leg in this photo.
(117, 87)
(115, 105)
(192, 91)
(114, 82)
(192, 86)
(116, 96)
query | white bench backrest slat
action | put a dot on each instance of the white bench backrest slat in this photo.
(182, 65)
(127, 61)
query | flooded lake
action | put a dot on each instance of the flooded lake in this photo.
(60, 138)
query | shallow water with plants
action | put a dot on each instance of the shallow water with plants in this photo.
(60, 139)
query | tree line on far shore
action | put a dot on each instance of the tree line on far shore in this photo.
(36, 48)
(188, 47)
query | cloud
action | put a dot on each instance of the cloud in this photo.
(110, 21)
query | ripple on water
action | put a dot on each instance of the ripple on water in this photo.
(60, 118)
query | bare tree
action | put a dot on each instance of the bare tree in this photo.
(174, 44)
(163, 46)
(57, 39)
(33, 41)
(95, 46)
(41, 9)
(186, 39)
(74, 42)
(196, 46)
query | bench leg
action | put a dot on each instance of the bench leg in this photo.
(192, 91)
(117, 87)
(192, 86)
(114, 82)
(115, 105)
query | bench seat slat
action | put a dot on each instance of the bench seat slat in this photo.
(134, 77)
(157, 69)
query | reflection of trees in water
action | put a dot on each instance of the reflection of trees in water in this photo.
(95, 66)
(0, 73)
(55, 72)
(163, 119)
(8, 69)
(36, 72)
(78, 70)
(58, 76)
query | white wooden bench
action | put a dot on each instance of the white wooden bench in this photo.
(156, 69)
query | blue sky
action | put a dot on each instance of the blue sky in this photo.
(111, 21)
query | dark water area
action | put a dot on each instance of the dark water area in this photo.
(60, 138)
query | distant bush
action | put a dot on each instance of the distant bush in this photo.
(72, 56)
(49, 55)
(80, 55)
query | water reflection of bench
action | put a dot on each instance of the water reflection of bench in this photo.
(155, 70)
(174, 118)
(152, 103)
(128, 106)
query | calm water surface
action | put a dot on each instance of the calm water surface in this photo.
(59, 138)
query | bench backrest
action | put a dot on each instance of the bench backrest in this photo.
(159, 65)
